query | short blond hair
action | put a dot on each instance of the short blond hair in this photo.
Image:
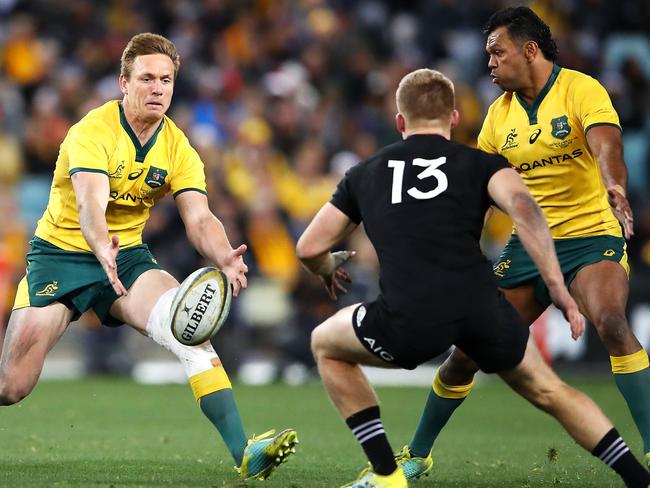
(148, 43)
(425, 94)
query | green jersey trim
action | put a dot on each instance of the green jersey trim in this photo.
(532, 110)
(189, 189)
(87, 170)
(140, 150)
(587, 129)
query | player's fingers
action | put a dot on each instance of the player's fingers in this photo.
(577, 322)
(340, 287)
(118, 287)
(240, 251)
(343, 275)
(243, 281)
(236, 286)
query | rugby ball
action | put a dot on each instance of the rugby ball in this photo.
(200, 306)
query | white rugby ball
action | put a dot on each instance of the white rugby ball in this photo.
(200, 306)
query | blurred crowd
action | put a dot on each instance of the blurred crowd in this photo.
(280, 98)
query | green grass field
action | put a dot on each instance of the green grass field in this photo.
(115, 433)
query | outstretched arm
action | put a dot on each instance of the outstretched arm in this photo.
(92, 191)
(510, 193)
(605, 144)
(208, 236)
(328, 227)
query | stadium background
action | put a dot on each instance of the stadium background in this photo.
(280, 98)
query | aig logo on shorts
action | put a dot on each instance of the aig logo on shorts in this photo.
(378, 350)
(361, 313)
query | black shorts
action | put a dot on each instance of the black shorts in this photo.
(486, 327)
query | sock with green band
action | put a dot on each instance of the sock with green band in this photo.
(442, 401)
(221, 410)
(632, 376)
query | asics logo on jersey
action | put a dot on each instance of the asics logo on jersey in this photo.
(551, 160)
(49, 290)
(510, 140)
(500, 268)
(136, 174)
(534, 136)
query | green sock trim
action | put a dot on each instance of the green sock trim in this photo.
(437, 412)
(221, 410)
(635, 388)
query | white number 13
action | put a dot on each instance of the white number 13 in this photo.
(431, 166)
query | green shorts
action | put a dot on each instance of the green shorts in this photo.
(76, 279)
(515, 267)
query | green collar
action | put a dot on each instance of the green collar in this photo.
(532, 110)
(140, 150)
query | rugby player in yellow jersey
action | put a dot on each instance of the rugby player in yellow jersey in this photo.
(88, 253)
(558, 129)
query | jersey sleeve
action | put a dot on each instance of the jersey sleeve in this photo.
(593, 105)
(486, 136)
(189, 174)
(89, 144)
(490, 164)
(344, 196)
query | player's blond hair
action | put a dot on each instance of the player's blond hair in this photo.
(148, 43)
(424, 95)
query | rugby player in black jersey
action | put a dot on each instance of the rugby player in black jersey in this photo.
(422, 203)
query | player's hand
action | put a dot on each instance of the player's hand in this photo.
(337, 275)
(107, 258)
(568, 306)
(622, 211)
(235, 269)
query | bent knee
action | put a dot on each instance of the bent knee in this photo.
(458, 369)
(613, 329)
(11, 393)
(318, 342)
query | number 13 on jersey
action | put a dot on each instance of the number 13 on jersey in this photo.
(431, 170)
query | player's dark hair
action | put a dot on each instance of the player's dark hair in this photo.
(425, 94)
(524, 25)
(144, 44)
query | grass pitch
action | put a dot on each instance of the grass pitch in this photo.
(115, 433)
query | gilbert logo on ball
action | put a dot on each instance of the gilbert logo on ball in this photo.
(200, 306)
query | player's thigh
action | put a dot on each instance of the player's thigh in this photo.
(335, 339)
(601, 291)
(135, 307)
(523, 299)
(600, 288)
(31, 333)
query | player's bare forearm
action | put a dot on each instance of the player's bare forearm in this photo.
(94, 228)
(607, 147)
(320, 265)
(208, 236)
(91, 192)
(534, 234)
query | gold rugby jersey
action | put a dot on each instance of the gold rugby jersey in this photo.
(103, 142)
(546, 143)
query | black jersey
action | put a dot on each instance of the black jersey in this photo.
(422, 202)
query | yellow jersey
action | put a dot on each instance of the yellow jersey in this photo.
(547, 144)
(103, 142)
